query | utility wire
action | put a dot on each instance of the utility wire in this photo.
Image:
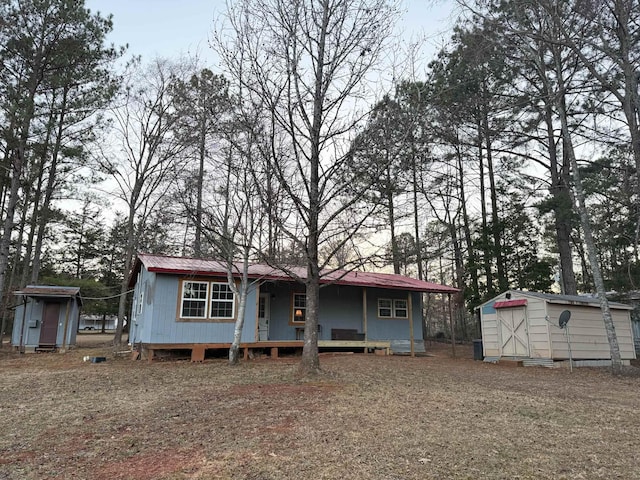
(107, 298)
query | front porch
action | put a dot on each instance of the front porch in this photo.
(198, 350)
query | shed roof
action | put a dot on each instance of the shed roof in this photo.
(204, 267)
(562, 299)
(49, 291)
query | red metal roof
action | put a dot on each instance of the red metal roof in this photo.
(203, 267)
(510, 303)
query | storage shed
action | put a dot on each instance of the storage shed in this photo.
(46, 318)
(525, 325)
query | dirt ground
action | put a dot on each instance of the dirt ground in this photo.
(367, 417)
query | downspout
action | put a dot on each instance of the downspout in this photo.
(453, 330)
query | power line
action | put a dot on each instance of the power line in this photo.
(107, 298)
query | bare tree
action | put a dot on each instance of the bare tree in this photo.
(306, 63)
(148, 157)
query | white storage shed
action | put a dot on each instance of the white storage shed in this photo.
(525, 325)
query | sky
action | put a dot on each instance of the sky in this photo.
(169, 28)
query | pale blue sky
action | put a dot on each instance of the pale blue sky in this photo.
(167, 28)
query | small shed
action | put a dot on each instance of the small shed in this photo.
(525, 325)
(46, 318)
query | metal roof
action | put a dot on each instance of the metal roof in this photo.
(204, 267)
(562, 299)
(511, 303)
(48, 291)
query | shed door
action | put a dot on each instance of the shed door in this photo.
(49, 328)
(513, 330)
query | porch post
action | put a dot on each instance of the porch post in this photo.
(364, 312)
(453, 330)
(66, 325)
(410, 312)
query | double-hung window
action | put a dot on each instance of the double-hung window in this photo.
(202, 300)
(393, 308)
(222, 301)
(299, 308)
(193, 302)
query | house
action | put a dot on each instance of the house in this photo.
(187, 303)
(527, 325)
(46, 318)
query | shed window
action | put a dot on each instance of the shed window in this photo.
(222, 301)
(194, 300)
(393, 308)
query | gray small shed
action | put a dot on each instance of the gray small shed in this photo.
(46, 318)
(525, 325)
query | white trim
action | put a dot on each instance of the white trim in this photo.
(205, 299)
(231, 300)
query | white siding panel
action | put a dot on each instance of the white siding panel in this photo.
(490, 338)
(538, 328)
(587, 333)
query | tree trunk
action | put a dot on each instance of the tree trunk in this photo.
(471, 254)
(242, 306)
(197, 242)
(395, 256)
(563, 209)
(49, 191)
(486, 249)
(124, 286)
(416, 220)
(616, 361)
(17, 167)
(503, 283)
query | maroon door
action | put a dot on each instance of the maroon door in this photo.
(49, 328)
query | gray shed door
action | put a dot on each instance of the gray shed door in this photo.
(49, 328)
(513, 330)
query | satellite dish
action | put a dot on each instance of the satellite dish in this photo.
(564, 318)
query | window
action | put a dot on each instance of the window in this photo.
(400, 309)
(222, 301)
(396, 308)
(299, 308)
(140, 302)
(194, 300)
(384, 308)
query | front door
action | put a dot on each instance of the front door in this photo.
(263, 317)
(513, 330)
(49, 327)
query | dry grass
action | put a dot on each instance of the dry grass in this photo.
(368, 417)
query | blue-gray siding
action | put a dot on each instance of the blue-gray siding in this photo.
(340, 307)
(156, 322)
(30, 330)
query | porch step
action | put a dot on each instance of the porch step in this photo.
(45, 348)
(538, 362)
(404, 346)
(511, 362)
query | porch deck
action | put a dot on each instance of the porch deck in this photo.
(198, 349)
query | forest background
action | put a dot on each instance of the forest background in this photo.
(454, 167)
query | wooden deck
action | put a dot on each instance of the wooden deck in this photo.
(198, 349)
